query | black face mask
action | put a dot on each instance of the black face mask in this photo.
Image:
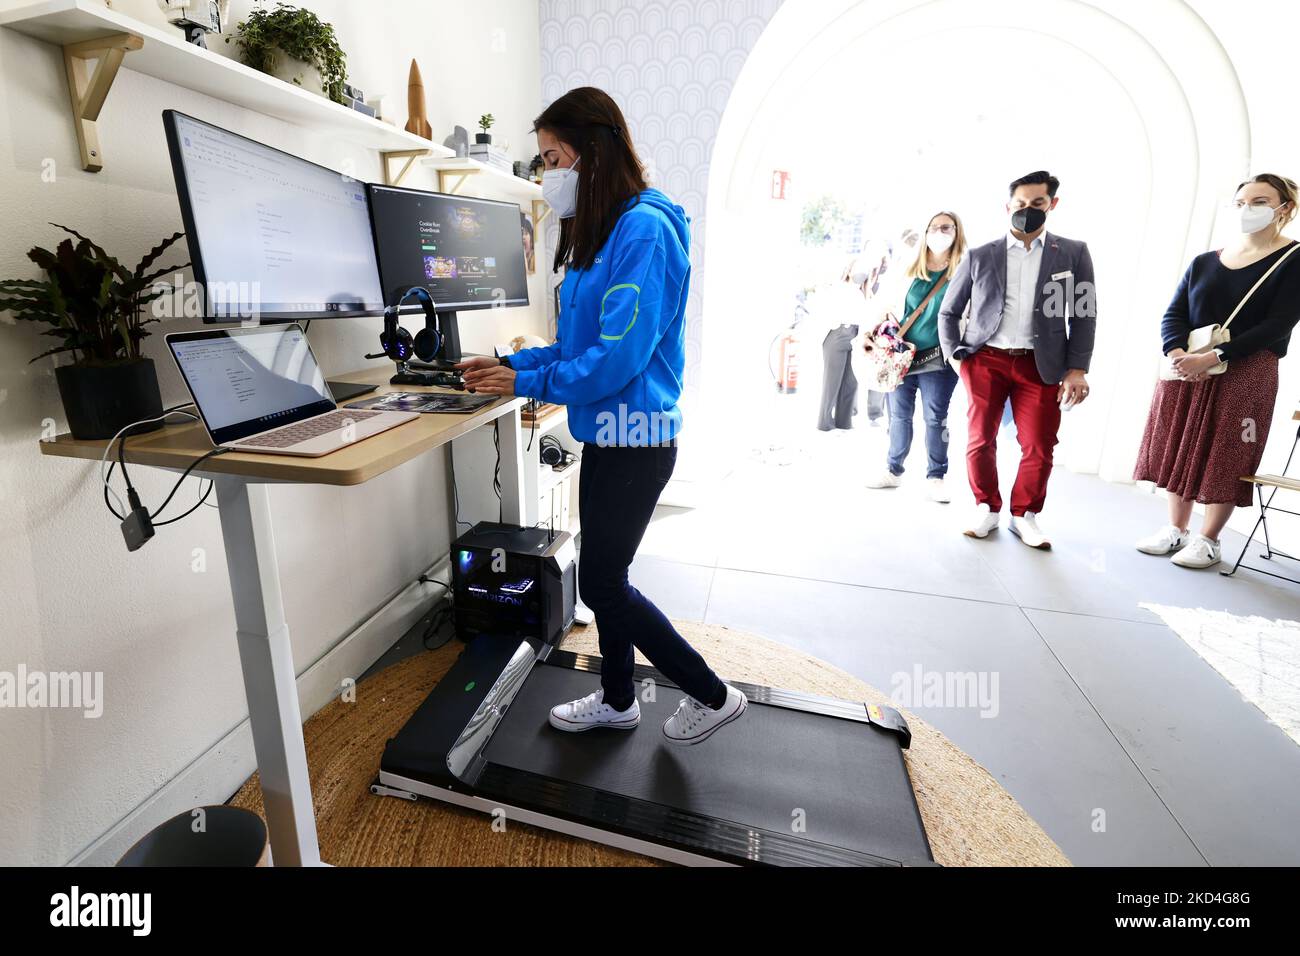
(1028, 220)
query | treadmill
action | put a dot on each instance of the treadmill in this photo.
(798, 780)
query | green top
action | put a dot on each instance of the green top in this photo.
(924, 333)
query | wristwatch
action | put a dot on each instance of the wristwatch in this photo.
(1219, 354)
(505, 361)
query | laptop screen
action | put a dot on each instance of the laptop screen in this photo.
(246, 381)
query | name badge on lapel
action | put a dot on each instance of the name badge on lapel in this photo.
(1062, 275)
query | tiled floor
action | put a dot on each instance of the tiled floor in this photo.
(1113, 733)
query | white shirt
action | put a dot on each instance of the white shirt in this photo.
(1023, 265)
(836, 304)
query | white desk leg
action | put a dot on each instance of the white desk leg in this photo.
(267, 662)
(512, 467)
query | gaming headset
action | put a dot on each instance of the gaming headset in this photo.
(397, 343)
(554, 454)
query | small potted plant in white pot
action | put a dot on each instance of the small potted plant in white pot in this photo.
(294, 45)
(484, 123)
(95, 307)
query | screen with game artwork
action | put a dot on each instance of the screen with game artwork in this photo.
(467, 252)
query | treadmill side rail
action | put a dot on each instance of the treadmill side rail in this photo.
(881, 716)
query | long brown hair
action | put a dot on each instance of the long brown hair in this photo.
(589, 122)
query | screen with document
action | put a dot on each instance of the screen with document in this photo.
(270, 235)
(246, 381)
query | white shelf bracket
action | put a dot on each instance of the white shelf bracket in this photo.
(88, 89)
(410, 155)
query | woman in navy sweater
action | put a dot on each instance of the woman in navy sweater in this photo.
(1204, 432)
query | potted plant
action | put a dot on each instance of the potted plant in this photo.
(289, 42)
(484, 123)
(95, 307)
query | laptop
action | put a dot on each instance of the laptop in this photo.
(260, 389)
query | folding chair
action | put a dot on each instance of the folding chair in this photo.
(1274, 483)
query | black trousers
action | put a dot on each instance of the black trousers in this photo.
(618, 489)
(839, 384)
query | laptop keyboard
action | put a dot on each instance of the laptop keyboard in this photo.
(311, 428)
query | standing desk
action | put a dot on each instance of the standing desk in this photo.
(265, 656)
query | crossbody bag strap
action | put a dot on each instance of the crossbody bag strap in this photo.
(1246, 297)
(916, 313)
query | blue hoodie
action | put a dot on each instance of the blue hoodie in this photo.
(620, 351)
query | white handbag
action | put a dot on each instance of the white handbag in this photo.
(1210, 337)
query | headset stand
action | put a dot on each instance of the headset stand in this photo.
(408, 376)
(420, 373)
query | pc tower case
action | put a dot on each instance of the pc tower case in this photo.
(512, 580)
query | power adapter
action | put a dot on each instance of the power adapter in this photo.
(137, 527)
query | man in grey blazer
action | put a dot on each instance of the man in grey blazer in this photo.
(1018, 322)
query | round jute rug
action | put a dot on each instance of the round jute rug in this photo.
(969, 818)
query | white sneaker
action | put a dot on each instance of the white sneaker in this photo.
(982, 522)
(937, 490)
(1200, 552)
(1165, 541)
(694, 722)
(1025, 527)
(886, 479)
(591, 711)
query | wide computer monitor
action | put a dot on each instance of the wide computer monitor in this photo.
(271, 236)
(468, 252)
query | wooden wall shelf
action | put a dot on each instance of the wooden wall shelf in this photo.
(85, 29)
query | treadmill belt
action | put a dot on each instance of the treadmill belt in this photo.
(848, 778)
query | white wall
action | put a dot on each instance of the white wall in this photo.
(671, 65)
(160, 629)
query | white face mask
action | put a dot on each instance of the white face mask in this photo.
(560, 190)
(1255, 218)
(939, 242)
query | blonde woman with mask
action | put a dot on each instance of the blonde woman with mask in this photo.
(1207, 427)
(921, 295)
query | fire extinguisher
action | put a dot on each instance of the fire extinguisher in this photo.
(784, 361)
(783, 353)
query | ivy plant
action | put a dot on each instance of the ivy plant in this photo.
(298, 33)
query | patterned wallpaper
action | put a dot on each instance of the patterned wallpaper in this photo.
(671, 65)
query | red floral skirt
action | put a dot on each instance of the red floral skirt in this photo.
(1203, 437)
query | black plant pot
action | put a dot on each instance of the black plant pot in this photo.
(101, 400)
(483, 139)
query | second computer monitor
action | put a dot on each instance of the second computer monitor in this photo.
(468, 252)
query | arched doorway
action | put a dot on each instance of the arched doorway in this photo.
(1135, 105)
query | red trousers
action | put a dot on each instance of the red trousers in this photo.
(991, 378)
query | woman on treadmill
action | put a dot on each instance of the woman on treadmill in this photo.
(617, 364)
